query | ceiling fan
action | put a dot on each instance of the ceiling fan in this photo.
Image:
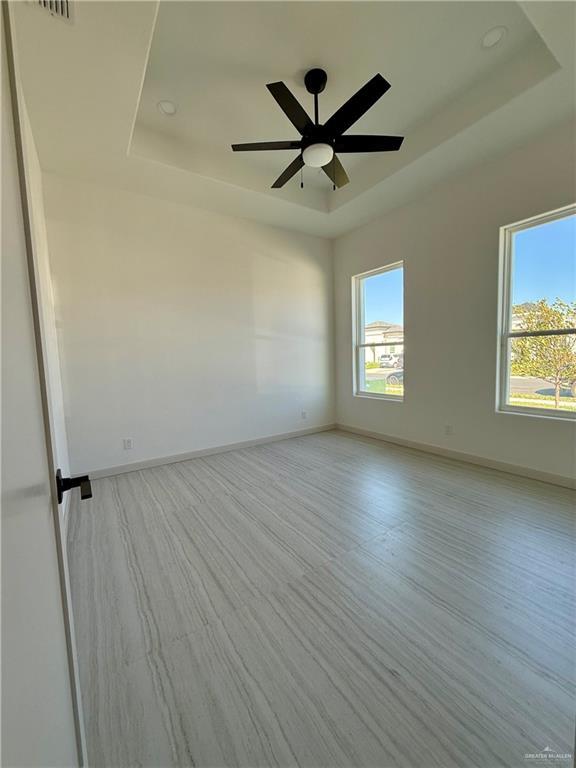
(320, 143)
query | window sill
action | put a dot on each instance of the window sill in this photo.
(539, 413)
(377, 396)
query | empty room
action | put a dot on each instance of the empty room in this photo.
(288, 384)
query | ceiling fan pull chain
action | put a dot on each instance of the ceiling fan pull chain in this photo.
(301, 178)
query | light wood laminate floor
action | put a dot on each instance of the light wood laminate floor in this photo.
(324, 601)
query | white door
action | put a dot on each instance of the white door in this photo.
(41, 719)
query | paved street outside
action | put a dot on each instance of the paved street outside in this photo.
(529, 384)
(380, 373)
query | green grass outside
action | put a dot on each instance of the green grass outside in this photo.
(379, 386)
(537, 396)
(566, 404)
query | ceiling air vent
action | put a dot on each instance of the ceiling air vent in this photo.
(59, 8)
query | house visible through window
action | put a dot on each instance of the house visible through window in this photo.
(538, 321)
(379, 332)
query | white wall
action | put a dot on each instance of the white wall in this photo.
(448, 240)
(183, 329)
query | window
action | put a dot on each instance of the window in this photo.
(537, 354)
(379, 333)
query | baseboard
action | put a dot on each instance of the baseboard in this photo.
(160, 461)
(502, 466)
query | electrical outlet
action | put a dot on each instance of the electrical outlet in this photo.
(304, 415)
(128, 443)
(448, 429)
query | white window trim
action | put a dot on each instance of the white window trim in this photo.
(504, 331)
(356, 329)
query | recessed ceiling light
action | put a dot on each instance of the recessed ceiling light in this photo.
(167, 108)
(494, 36)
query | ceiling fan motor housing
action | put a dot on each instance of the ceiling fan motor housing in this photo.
(316, 135)
(315, 81)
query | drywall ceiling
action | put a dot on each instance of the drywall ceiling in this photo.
(92, 88)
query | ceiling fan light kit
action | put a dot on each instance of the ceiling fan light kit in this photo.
(317, 155)
(320, 142)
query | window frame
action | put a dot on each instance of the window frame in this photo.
(357, 312)
(505, 333)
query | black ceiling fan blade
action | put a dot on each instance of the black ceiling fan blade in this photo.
(265, 145)
(292, 169)
(368, 143)
(335, 172)
(357, 105)
(291, 107)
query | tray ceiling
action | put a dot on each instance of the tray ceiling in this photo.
(455, 101)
